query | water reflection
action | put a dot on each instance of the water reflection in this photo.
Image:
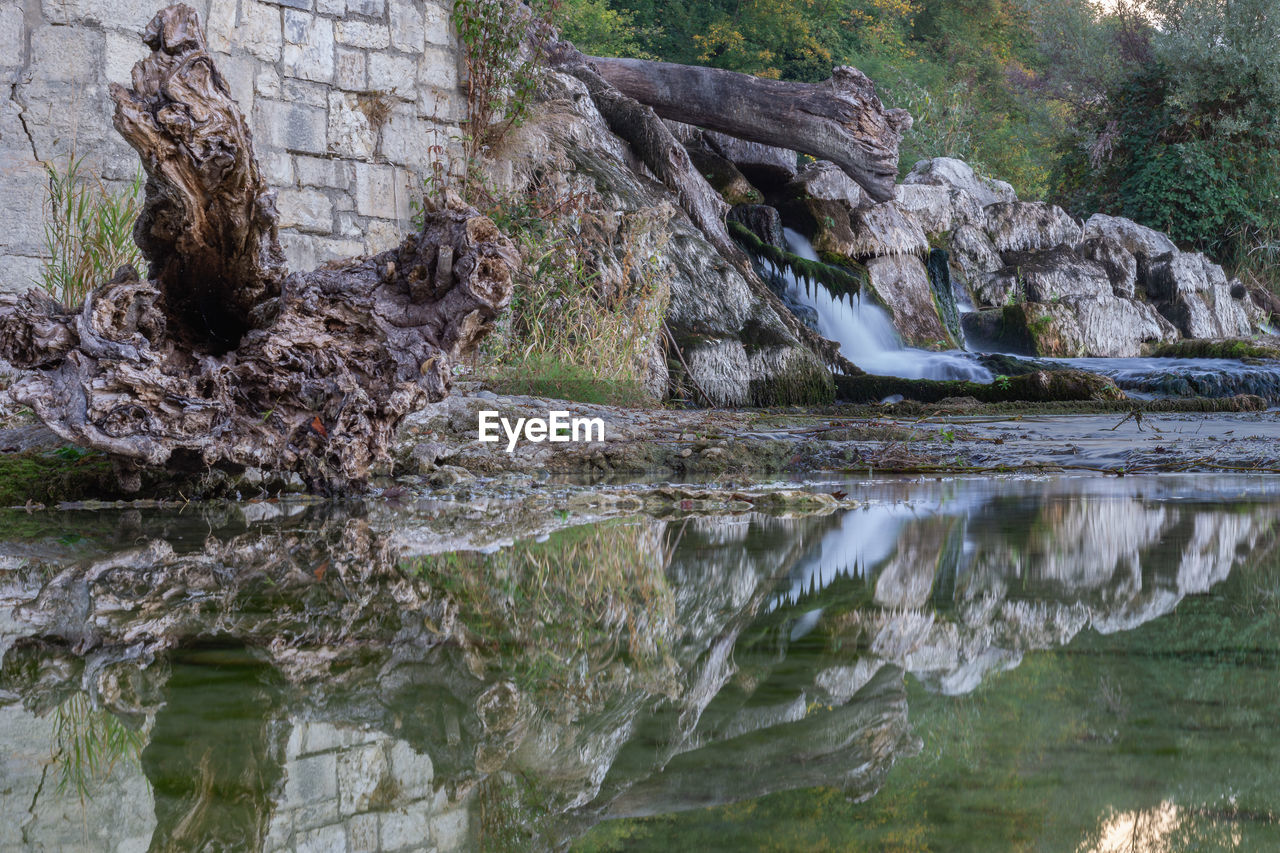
(328, 677)
(1159, 829)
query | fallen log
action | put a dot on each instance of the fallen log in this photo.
(840, 119)
(654, 144)
(658, 149)
(222, 358)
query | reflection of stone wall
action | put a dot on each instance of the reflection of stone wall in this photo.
(306, 74)
(118, 818)
(350, 789)
(345, 789)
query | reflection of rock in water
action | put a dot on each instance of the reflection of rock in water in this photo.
(384, 704)
(1032, 564)
(515, 697)
(851, 746)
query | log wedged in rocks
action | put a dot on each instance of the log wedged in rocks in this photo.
(658, 149)
(221, 359)
(840, 119)
(653, 142)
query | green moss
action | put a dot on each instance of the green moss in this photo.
(48, 477)
(944, 298)
(845, 280)
(805, 382)
(549, 377)
(1237, 349)
(1037, 387)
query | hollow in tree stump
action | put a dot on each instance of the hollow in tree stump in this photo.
(221, 358)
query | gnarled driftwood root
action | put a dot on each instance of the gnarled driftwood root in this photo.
(221, 359)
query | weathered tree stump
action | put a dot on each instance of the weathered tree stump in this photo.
(222, 358)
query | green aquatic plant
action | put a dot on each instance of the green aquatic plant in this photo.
(847, 280)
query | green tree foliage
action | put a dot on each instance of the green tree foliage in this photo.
(1166, 111)
(600, 30)
(1186, 135)
(959, 66)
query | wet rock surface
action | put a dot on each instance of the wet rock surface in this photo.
(663, 444)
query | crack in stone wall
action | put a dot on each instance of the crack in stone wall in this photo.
(305, 72)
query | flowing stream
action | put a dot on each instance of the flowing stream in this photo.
(867, 338)
(866, 334)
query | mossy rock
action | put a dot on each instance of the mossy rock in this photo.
(846, 279)
(1235, 349)
(724, 177)
(805, 382)
(53, 476)
(1038, 386)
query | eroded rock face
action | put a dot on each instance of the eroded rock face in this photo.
(939, 208)
(737, 347)
(1111, 327)
(827, 181)
(1119, 262)
(901, 284)
(1211, 313)
(950, 172)
(973, 256)
(1138, 240)
(1022, 226)
(1057, 273)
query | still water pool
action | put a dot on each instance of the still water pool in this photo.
(1075, 664)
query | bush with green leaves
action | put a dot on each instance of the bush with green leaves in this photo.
(1187, 138)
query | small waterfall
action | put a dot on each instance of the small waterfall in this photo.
(866, 334)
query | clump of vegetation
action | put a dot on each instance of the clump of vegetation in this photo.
(557, 616)
(65, 474)
(1183, 135)
(88, 231)
(599, 29)
(583, 320)
(500, 67)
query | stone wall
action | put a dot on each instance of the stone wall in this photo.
(350, 102)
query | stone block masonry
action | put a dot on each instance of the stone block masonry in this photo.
(350, 103)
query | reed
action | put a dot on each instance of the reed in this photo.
(88, 231)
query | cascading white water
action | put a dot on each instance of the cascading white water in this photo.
(867, 336)
(868, 339)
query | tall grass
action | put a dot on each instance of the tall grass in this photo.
(88, 231)
(88, 743)
(588, 302)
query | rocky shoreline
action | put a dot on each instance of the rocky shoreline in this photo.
(724, 456)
